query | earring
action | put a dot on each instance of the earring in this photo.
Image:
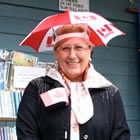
(90, 59)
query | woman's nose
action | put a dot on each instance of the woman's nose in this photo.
(72, 53)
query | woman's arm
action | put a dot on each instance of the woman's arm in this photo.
(26, 124)
(120, 128)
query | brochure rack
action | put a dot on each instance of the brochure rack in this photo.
(16, 70)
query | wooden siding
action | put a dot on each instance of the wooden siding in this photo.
(119, 62)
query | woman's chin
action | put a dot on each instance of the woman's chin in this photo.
(74, 75)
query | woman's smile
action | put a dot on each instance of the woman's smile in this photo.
(73, 63)
(73, 57)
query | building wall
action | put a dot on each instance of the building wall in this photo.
(119, 62)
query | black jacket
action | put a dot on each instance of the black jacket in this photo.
(36, 122)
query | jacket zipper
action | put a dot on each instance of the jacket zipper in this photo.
(66, 135)
(67, 132)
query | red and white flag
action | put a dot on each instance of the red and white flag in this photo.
(55, 96)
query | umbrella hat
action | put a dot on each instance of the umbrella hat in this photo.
(41, 38)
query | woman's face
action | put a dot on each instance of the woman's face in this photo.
(73, 57)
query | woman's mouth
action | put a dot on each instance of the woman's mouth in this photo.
(72, 63)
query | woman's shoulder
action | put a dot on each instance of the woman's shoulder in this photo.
(42, 84)
(108, 93)
(111, 89)
(43, 79)
(45, 82)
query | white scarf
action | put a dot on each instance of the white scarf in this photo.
(84, 107)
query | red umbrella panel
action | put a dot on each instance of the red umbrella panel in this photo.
(41, 38)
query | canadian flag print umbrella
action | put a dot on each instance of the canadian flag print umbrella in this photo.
(41, 38)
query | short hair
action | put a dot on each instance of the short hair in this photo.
(72, 28)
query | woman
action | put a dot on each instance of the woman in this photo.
(73, 101)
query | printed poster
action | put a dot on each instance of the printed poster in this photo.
(23, 75)
(74, 5)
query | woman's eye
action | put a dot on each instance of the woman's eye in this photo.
(65, 48)
(79, 48)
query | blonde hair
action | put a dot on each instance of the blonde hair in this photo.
(72, 28)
